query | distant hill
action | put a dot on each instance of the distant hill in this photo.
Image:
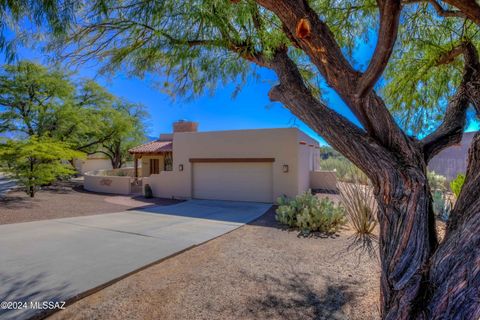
(453, 160)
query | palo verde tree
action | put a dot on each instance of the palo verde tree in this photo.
(425, 66)
(35, 162)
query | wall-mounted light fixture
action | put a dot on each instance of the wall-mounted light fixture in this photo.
(180, 167)
(285, 168)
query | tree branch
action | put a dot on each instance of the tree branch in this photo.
(389, 21)
(315, 38)
(446, 13)
(470, 8)
(468, 197)
(351, 141)
(450, 131)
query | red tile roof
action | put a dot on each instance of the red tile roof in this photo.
(153, 147)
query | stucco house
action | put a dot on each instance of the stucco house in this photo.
(242, 165)
(92, 162)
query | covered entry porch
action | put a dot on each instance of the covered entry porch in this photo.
(154, 157)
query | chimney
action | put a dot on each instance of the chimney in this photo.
(185, 126)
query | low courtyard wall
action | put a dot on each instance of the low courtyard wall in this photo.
(323, 180)
(118, 181)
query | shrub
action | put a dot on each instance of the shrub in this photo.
(457, 184)
(442, 205)
(309, 213)
(360, 206)
(346, 171)
(148, 191)
(437, 182)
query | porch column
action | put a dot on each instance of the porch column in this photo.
(135, 163)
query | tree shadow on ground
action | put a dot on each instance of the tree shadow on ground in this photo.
(300, 296)
(16, 202)
(19, 287)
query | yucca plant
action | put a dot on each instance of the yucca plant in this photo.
(361, 209)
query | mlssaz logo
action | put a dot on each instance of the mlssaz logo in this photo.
(105, 182)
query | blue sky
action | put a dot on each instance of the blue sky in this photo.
(250, 109)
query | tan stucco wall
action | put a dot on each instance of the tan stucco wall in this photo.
(281, 144)
(106, 184)
(85, 165)
(308, 160)
(145, 167)
(326, 180)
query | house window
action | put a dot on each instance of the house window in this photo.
(154, 166)
(168, 162)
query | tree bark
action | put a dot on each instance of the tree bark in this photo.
(455, 267)
(407, 240)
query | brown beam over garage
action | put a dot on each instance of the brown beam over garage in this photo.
(196, 160)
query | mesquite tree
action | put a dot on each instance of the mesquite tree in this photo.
(425, 67)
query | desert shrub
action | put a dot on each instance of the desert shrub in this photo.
(437, 182)
(346, 171)
(360, 207)
(457, 184)
(148, 191)
(442, 205)
(309, 213)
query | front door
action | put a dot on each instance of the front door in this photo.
(154, 166)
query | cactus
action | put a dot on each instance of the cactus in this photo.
(309, 213)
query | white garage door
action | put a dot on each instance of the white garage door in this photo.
(238, 181)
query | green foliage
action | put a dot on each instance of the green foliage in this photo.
(457, 184)
(418, 85)
(35, 162)
(36, 101)
(327, 152)
(52, 15)
(197, 45)
(309, 213)
(360, 206)
(346, 171)
(129, 120)
(437, 182)
(148, 191)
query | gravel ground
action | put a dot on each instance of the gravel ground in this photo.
(65, 200)
(259, 271)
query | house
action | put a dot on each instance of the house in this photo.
(96, 161)
(242, 165)
(453, 160)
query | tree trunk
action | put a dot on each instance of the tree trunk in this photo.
(407, 239)
(31, 191)
(455, 266)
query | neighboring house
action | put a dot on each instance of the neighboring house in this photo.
(243, 165)
(96, 161)
(453, 160)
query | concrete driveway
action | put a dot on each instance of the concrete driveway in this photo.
(57, 260)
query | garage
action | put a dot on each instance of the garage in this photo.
(233, 179)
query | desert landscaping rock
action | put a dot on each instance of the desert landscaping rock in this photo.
(258, 271)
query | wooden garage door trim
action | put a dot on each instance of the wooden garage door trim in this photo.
(204, 160)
